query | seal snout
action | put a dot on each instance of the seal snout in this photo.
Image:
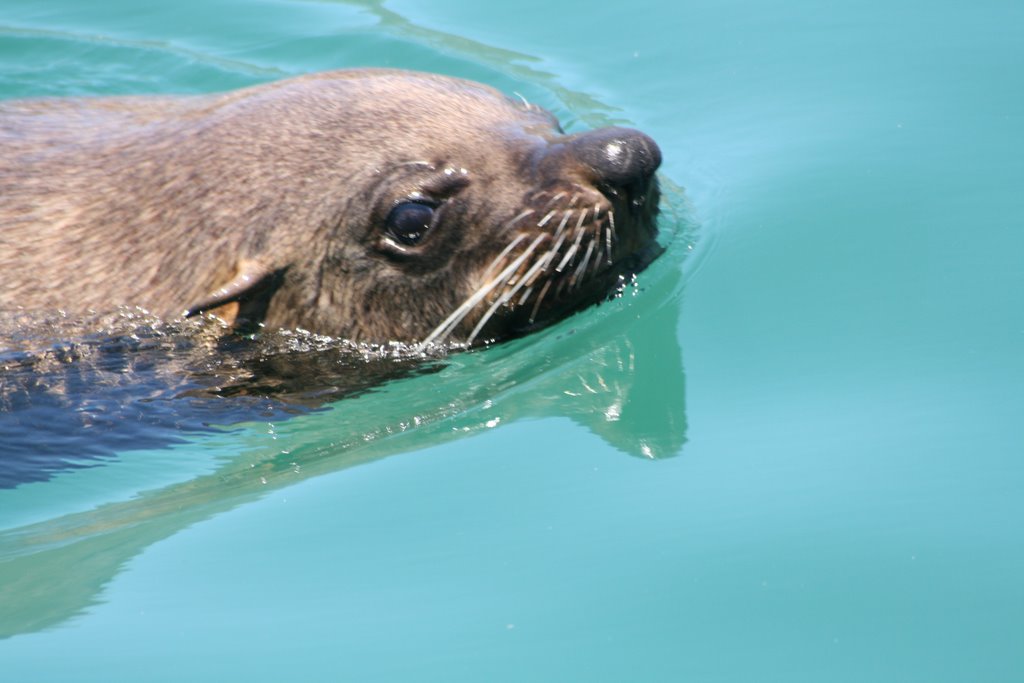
(619, 157)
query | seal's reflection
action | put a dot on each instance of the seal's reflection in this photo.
(627, 387)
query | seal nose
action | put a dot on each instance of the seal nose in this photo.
(620, 157)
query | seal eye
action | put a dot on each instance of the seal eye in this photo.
(408, 222)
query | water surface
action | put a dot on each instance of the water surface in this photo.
(793, 453)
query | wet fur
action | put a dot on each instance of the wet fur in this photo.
(168, 202)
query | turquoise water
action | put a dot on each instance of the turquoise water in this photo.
(793, 454)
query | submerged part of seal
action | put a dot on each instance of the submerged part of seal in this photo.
(370, 204)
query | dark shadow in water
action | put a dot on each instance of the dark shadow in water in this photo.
(151, 385)
(143, 384)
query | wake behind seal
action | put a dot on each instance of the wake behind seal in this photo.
(372, 205)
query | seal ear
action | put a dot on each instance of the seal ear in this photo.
(251, 289)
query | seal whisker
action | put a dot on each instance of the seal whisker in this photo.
(561, 226)
(530, 275)
(554, 199)
(543, 260)
(568, 255)
(583, 265)
(518, 218)
(543, 221)
(579, 237)
(441, 332)
(503, 299)
(608, 243)
(449, 324)
(540, 298)
(597, 259)
(583, 218)
(525, 296)
(504, 252)
(553, 252)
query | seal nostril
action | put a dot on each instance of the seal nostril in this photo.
(619, 157)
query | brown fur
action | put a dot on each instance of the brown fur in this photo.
(271, 199)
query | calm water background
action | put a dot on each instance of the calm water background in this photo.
(831, 382)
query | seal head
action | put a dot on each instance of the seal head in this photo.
(371, 204)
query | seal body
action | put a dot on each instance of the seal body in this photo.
(368, 204)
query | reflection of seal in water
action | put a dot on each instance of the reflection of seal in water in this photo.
(374, 205)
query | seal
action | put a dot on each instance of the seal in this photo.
(372, 205)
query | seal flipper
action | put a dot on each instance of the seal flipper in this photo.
(251, 289)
